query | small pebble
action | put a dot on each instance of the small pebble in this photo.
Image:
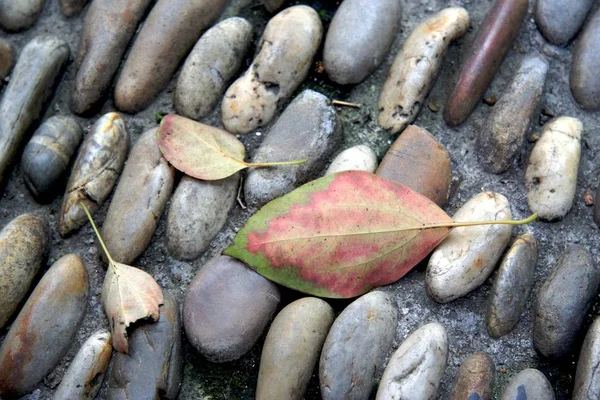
(357, 158)
(529, 384)
(7, 59)
(475, 378)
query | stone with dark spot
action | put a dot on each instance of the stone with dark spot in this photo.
(419, 161)
(359, 38)
(356, 346)
(45, 328)
(512, 286)
(563, 302)
(560, 20)
(153, 368)
(308, 129)
(585, 80)
(529, 384)
(475, 378)
(227, 307)
(587, 378)
(139, 200)
(17, 15)
(417, 367)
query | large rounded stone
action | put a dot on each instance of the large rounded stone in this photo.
(529, 384)
(560, 20)
(16, 15)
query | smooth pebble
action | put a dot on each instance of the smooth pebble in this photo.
(357, 158)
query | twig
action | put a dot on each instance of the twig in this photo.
(239, 194)
(345, 104)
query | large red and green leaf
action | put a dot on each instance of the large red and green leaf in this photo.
(341, 235)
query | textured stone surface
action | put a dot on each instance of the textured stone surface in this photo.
(585, 82)
(587, 380)
(355, 347)
(475, 378)
(360, 158)
(560, 20)
(16, 15)
(529, 384)
(359, 38)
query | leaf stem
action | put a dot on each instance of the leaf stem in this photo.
(87, 212)
(461, 224)
(274, 164)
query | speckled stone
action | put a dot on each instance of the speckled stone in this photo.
(512, 286)
(292, 348)
(475, 378)
(357, 158)
(417, 367)
(529, 384)
(359, 38)
(563, 302)
(356, 346)
(585, 81)
(587, 378)
(226, 309)
(307, 129)
(45, 328)
(560, 20)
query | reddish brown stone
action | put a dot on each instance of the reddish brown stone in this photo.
(498, 31)
(475, 378)
(7, 59)
(419, 161)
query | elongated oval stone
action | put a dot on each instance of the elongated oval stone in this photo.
(465, 259)
(71, 7)
(416, 67)
(23, 245)
(96, 170)
(31, 86)
(416, 368)
(45, 328)
(139, 200)
(168, 34)
(48, 154)
(108, 28)
(560, 20)
(7, 59)
(308, 129)
(154, 366)
(227, 307)
(551, 175)
(356, 346)
(292, 348)
(199, 210)
(283, 58)
(86, 372)
(419, 161)
(359, 38)
(587, 378)
(495, 36)
(512, 286)
(211, 65)
(475, 378)
(17, 15)
(563, 301)
(529, 384)
(357, 158)
(585, 82)
(503, 133)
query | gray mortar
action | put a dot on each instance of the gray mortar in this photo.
(465, 317)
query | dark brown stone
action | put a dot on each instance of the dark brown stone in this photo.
(419, 161)
(7, 59)
(475, 378)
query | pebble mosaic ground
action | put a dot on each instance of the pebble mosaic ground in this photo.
(463, 318)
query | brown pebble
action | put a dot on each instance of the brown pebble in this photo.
(433, 106)
(496, 34)
(475, 378)
(419, 161)
(490, 100)
(588, 197)
(7, 59)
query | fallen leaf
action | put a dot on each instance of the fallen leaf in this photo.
(129, 295)
(202, 151)
(344, 234)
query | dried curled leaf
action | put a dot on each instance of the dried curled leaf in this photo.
(343, 234)
(202, 151)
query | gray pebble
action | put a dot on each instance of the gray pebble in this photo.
(16, 15)
(308, 129)
(86, 371)
(359, 38)
(560, 20)
(416, 369)
(529, 384)
(45, 328)
(587, 378)
(502, 135)
(23, 245)
(31, 85)
(563, 302)
(226, 309)
(357, 158)
(139, 200)
(512, 286)
(356, 346)
(211, 65)
(585, 81)
(48, 154)
(153, 368)
(199, 210)
(292, 348)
